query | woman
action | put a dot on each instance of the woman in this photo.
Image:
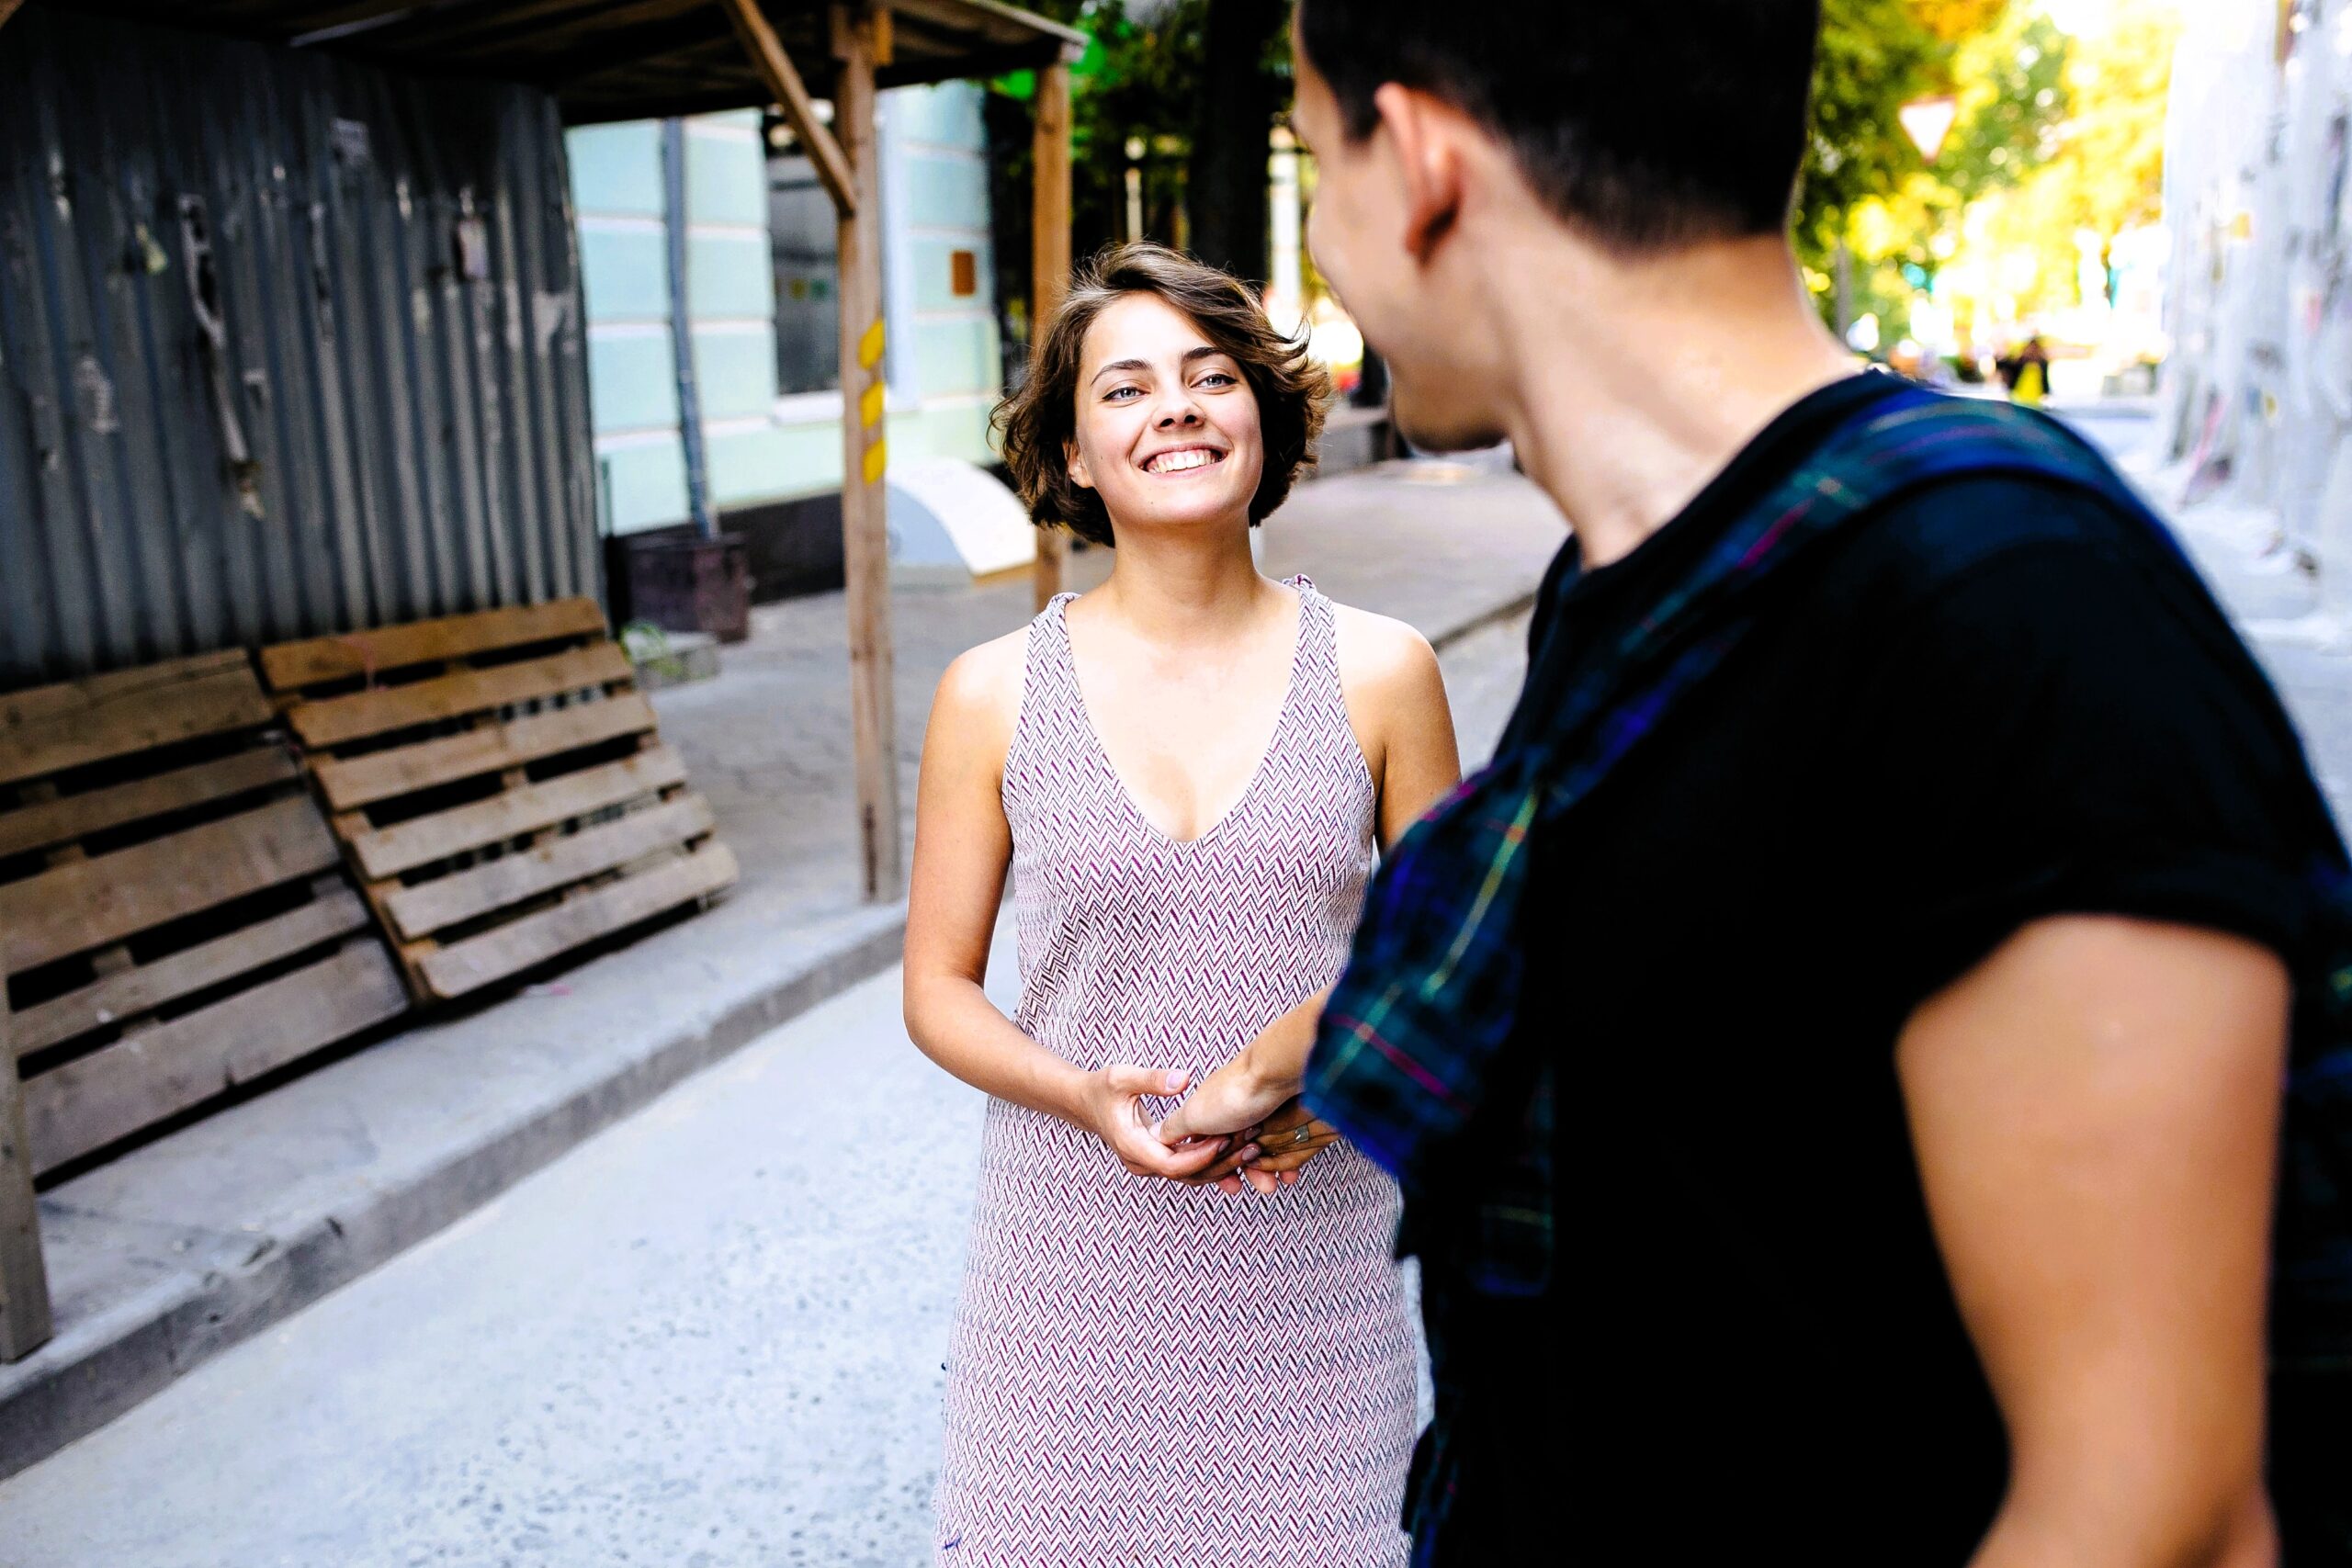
(1199, 1354)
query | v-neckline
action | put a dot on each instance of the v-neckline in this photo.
(1118, 780)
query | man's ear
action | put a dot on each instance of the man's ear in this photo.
(1076, 467)
(1429, 160)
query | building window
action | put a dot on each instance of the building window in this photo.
(806, 248)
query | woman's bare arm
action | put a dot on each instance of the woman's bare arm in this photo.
(963, 846)
(2096, 1111)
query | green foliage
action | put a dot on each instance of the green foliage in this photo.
(1875, 56)
(1141, 79)
(1866, 185)
(2014, 77)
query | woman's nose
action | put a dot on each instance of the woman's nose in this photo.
(1182, 411)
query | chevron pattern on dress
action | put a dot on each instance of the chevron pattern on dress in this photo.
(1144, 1374)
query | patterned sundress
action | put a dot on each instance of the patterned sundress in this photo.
(1146, 1375)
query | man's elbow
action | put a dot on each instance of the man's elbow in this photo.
(2242, 1533)
(2182, 1520)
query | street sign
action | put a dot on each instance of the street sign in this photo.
(1926, 121)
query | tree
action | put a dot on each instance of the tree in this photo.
(2102, 168)
(1245, 86)
(1874, 56)
(1866, 186)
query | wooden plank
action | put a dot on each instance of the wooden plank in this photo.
(24, 1277)
(290, 665)
(388, 851)
(1049, 204)
(93, 1101)
(129, 992)
(379, 775)
(429, 907)
(129, 719)
(71, 817)
(470, 964)
(865, 541)
(85, 904)
(338, 719)
(75, 696)
(782, 79)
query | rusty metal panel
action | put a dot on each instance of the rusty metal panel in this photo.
(290, 345)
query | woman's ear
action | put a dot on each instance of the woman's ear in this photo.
(1078, 475)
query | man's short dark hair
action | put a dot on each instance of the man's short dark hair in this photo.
(1645, 123)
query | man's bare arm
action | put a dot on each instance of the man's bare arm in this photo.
(2095, 1112)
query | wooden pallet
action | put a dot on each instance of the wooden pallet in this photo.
(173, 915)
(498, 786)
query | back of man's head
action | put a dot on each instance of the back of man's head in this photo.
(1645, 124)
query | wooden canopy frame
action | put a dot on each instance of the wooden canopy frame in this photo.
(623, 59)
(606, 59)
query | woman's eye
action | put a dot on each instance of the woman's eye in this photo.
(1218, 378)
(1119, 394)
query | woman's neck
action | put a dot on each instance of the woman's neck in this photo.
(1195, 583)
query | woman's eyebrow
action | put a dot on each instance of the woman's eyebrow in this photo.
(1122, 364)
(1205, 351)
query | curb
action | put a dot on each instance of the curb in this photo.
(101, 1368)
(1440, 641)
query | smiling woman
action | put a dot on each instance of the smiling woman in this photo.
(1168, 1349)
(1230, 336)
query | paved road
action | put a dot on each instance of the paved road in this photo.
(709, 1337)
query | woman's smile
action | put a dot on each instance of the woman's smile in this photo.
(1182, 459)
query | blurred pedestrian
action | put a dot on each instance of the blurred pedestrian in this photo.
(2027, 372)
(1833, 1057)
(1188, 771)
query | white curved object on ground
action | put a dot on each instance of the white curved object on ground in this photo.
(952, 521)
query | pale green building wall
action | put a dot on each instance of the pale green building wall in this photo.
(944, 367)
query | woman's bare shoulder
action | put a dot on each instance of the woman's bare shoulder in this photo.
(985, 682)
(1381, 654)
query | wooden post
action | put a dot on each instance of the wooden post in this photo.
(24, 1279)
(1049, 261)
(860, 40)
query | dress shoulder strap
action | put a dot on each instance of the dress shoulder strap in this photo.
(1316, 677)
(1048, 684)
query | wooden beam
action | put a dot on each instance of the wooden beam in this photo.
(865, 538)
(24, 1278)
(1049, 262)
(286, 665)
(777, 69)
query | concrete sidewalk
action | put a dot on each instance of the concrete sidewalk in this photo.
(173, 1251)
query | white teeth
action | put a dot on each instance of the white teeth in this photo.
(1177, 462)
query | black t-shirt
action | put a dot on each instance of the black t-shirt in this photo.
(1971, 712)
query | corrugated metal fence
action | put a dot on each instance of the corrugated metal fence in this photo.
(288, 346)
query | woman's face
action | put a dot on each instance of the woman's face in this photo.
(1166, 430)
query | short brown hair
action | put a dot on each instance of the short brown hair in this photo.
(1036, 423)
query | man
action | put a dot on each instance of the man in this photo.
(1833, 1061)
